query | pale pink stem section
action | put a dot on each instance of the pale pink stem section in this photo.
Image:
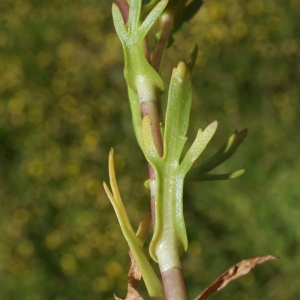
(124, 8)
(173, 284)
(161, 45)
(150, 108)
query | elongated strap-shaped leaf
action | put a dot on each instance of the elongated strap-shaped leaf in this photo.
(148, 7)
(198, 146)
(178, 112)
(201, 176)
(135, 243)
(153, 16)
(116, 200)
(119, 22)
(134, 15)
(224, 152)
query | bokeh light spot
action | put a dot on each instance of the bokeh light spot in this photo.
(93, 187)
(113, 269)
(19, 268)
(35, 116)
(68, 264)
(288, 114)
(281, 99)
(239, 30)
(103, 283)
(91, 140)
(21, 216)
(25, 248)
(255, 7)
(35, 168)
(53, 240)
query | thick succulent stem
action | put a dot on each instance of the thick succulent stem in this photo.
(173, 284)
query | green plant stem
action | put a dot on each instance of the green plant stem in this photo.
(173, 284)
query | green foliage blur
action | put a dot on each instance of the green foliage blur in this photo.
(63, 104)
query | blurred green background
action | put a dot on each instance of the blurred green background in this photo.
(63, 104)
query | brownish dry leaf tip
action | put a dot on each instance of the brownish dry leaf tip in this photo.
(133, 278)
(240, 269)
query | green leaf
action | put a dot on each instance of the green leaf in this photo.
(148, 7)
(135, 242)
(152, 17)
(201, 176)
(178, 112)
(119, 22)
(198, 146)
(134, 15)
(224, 152)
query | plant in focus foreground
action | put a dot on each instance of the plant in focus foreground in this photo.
(162, 143)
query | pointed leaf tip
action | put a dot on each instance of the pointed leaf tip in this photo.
(181, 70)
(227, 149)
(237, 173)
